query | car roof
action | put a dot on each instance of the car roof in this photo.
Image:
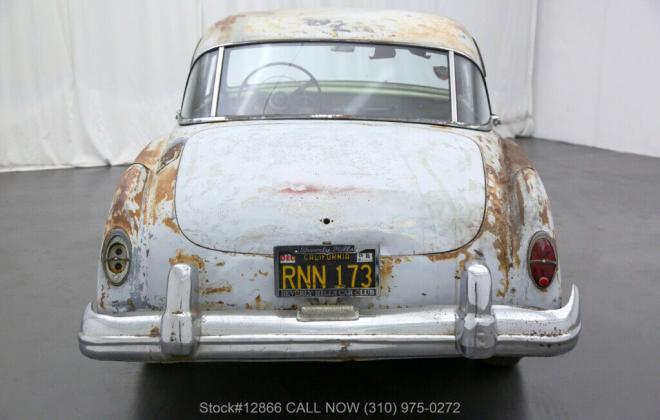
(404, 27)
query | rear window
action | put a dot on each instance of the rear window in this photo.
(351, 79)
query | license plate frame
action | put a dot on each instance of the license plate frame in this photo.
(350, 271)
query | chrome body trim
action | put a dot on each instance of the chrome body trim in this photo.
(216, 82)
(183, 122)
(331, 40)
(309, 313)
(452, 88)
(474, 329)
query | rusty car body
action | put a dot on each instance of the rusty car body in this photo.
(397, 153)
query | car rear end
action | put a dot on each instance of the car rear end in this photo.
(451, 257)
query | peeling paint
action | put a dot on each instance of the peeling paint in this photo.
(386, 264)
(170, 223)
(316, 189)
(150, 155)
(154, 332)
(163, 190)
(404, 27)
(182, 258)
(126, 209)
(213, 290)
(543, 213)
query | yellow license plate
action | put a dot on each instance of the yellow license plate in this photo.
(325, 270)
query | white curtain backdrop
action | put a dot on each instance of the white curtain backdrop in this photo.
(88, 83)
(596, 78)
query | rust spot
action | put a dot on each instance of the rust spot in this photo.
(386, 264)
(315, 189)
(464, 251)
(161, 179)
(394, 26)
(226, 24)
(500, 220)
(177, 312)
(498, 216)
(248, 306)
(171, 154)
(520, 203)
(154, 332)
(126, 209)
(102, 300)
(515, 157)
(170, 223)
(220, 263)
(445, 255)
(182, 258)
(501, 230)
(222, 289)
(543, 214)
(259, 303)
(150, 155)
(163, 190)
(130, 305)
(263, 273)
(527, 176)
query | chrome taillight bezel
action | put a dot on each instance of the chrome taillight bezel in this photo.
(116, 239)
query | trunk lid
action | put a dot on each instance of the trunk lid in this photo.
(409, 188)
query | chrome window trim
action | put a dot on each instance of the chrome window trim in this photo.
(481, 59)
(336, 117)
(338, 41)
(216, 82)
(216, 94)
(179, 118)
(452, 88)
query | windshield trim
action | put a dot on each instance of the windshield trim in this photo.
(452, 88)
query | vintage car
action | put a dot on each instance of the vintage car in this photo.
(333, 190)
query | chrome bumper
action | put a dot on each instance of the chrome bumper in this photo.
(473, 329)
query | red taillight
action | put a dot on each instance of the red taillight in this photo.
(542, 260)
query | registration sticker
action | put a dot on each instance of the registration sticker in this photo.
(365, 257)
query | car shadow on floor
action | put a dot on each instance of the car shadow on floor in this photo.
(177, 390)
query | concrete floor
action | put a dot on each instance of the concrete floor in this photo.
(605, 205)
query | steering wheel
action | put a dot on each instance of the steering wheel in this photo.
(281, 101)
